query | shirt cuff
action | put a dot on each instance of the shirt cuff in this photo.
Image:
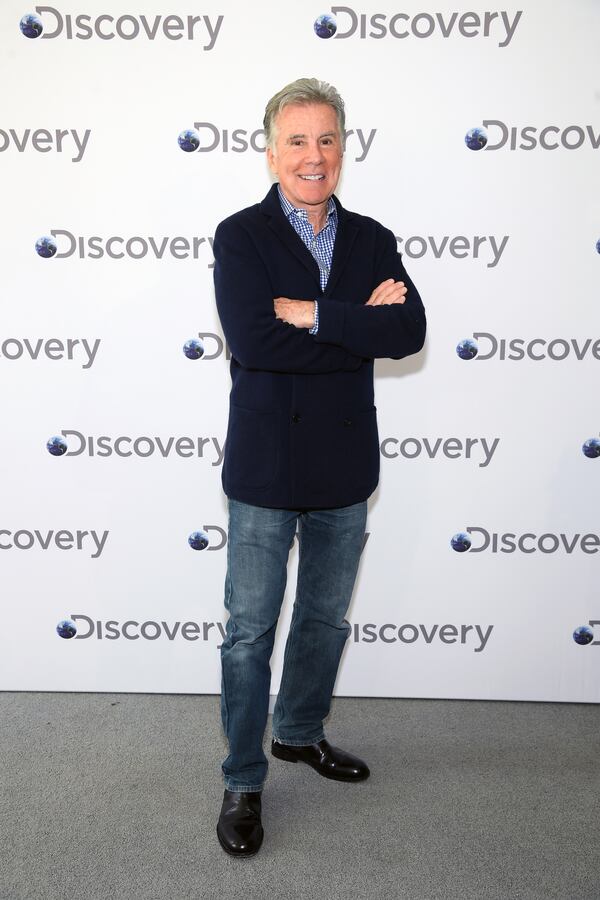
(332, 321)
(315, 327)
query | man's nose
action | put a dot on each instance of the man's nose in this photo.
(315, 153)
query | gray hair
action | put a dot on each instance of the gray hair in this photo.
(302, 92)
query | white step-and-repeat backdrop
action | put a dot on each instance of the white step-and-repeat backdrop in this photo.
(127, 132)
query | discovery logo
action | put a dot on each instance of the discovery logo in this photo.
(209, 346)
(325, 26)
(205, 137)
(584, 634)
(50, 348)
(411, 634)
(346, 22)
(63, 539)
(41, 140)
(200, 540)
(74, 443)
(591, 448)
(536, 349)
(193, 349)
(126, 27)
(436, 448)
(83, 627)
(478, 540)
(530, 137)
(116, 247)
(459, 247)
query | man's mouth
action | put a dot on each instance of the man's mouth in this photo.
(312, 177)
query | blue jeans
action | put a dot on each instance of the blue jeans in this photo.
(331, 541)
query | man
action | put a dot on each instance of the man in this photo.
(308, 295)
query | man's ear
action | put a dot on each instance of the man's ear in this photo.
(272, 161)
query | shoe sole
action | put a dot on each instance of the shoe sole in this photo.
(231, 852)
(283, 754)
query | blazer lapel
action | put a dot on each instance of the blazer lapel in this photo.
(278, 223)
(347, 231)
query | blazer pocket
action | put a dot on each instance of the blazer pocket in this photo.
(252, 447)
(344, 453)
(357, 442)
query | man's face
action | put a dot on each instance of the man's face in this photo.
(307, 158)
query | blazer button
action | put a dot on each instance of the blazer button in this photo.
(347, 421)
(295, 418)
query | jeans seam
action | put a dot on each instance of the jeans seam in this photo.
(285, 675)
(228, 605)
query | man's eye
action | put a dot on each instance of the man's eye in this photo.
(327, 141)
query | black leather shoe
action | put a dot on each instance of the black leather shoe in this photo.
(331, 762)
(239, 828)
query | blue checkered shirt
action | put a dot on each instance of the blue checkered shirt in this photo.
(320, 246)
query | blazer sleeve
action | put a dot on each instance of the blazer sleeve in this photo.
(394, 331)
(256, 337)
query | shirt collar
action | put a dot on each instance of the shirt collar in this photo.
(290, 210)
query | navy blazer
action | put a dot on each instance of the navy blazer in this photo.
(302, 427)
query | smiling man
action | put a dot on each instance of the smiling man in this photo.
(308, 295)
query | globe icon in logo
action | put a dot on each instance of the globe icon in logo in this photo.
(476, 138)
(460, 542)
(591, 448)
(193, 349)
(467, 349)
(325, 26)
(57, 446)
(189, 140)
(66, 628)
(583, 635)
(598, 245)
(198, 540)
(31, 25)
(46, 247)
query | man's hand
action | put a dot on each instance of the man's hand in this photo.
(300, 313)
(389, 291)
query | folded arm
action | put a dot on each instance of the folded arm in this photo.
(390, 323)
(245, 303)
(381, 329)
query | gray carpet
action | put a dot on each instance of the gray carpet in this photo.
(110, 796)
